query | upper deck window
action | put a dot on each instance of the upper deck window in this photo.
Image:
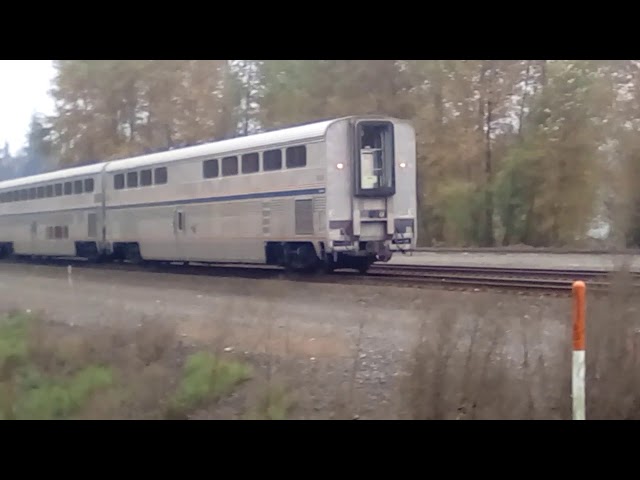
(132, 179)
(229, 166)
(160, 175)
(118, 181)
(272, 160)
(210, 168)
(297, 157)
(146, 178)
(250, 163)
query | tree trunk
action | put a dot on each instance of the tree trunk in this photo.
(488, 168)
(509, 214)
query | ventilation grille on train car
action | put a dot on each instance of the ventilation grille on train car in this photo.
(304, 217)
(266, 218)
(319, 208)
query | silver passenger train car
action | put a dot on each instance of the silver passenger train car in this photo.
(333, 194)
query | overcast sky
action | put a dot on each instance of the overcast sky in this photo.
(24, 86)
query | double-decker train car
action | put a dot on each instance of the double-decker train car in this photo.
(334, 194)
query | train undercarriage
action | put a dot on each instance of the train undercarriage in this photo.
(299, 257)
(302, 257)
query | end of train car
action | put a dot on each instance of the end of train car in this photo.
(371, 198)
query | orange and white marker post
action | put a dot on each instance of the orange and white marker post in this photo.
(579, 364)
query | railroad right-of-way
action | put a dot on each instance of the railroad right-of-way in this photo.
(519, 272)
(568, 261)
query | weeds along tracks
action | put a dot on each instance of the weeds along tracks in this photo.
(520, 280)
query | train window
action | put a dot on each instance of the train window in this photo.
(210, 168)
(49, 233)
(229, 166)
(374, 159)
(88, 185)
(180, 220)
(145, 178)
(58, 189)
(2, 197)
(160, 176)
(57, 232)
(49, 191)
(272, 160)
(296, 157)
(24, 195)
(77, 187)
(68, 188)
(132, 179)
(118, 181)
(32, 193)
(40, 192)
(65, 231)
(250, 163)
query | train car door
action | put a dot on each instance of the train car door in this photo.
(179, 229)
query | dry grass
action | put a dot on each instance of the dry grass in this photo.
(482, 362)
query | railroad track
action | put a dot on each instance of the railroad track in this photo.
(522, 280)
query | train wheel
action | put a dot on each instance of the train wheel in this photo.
(133, 254)
(363, 265)
(327, 266)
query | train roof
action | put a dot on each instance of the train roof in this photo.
(305, 132)
(61, 175)
(280, 136)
